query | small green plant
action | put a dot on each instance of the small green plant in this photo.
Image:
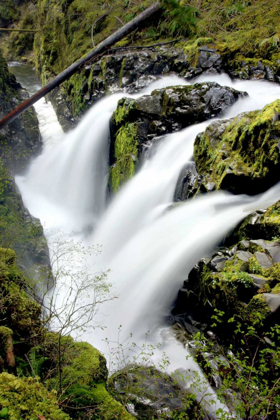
(179, 19)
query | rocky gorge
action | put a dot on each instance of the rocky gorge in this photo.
(230, 295)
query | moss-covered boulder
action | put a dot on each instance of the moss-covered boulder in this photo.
(241, 155)
(82, 379)
(27, 398)
(263, 224)
(136, 122)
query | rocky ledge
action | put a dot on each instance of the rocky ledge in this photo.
(136, 122)
(240, 280)
(240, 155)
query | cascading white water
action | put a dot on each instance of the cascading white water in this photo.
(148, 248)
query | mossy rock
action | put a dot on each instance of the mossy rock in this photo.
(19, 311)
(27, 398)
(241, 155)
(83, 379)
(263, 224)
(241, 281)
(137, 121)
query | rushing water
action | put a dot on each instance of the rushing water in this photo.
(148, 248)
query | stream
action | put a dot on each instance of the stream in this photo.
(148, 248)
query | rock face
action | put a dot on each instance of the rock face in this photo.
(241, 155)
(136, 122)
(189, 183)
(129, 71)
(20, 140)
(24, 233)
(238, 280)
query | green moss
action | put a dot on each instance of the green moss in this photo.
(83, 378)
(19, 312)
(124, 109)
(254, 266)
(5, 334)
(245, 157)
(192, 48)
(126, 154)
(273, 272)
(248, 29)
(27, 398)
(276, 289)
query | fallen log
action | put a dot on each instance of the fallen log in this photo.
(100, 49)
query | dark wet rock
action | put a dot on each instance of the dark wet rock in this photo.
(189, 183)
(235, 281)
(137, 121)
(260, 224)
(150, 393)
(241, 155)
(20, 140)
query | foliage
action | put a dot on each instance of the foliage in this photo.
(179, 18)
(248, 375)
(27, 398)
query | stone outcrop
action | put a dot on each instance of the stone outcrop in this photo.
(136, 122)
(20, 141)
(150, 393)
(241, 155)
(239, 280)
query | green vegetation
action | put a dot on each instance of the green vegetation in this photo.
(241, 31)
(21, 397)
(246, 378)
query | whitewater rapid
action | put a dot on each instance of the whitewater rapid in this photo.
(148, 243)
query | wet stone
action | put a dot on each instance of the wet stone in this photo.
(243, 255)
(274, 252)
(258, 280)
(263, 259)
(273, 301)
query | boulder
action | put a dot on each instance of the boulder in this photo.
(241, 155)
(137, 121)
(260, 224)
(150, 393)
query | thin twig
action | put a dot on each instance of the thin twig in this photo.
(94, 24)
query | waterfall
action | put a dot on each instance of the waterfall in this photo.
(148, 243)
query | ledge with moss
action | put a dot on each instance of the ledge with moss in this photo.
(135, 123)
(241, 155)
